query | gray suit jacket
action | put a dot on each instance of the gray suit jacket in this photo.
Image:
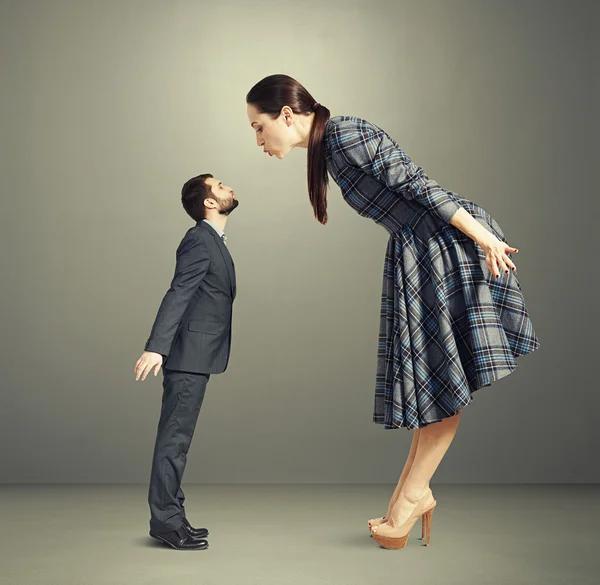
(192, 329)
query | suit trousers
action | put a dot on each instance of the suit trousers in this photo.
(183, 393)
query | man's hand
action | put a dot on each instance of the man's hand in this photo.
(147, 361)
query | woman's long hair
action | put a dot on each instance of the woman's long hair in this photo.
(269, 96)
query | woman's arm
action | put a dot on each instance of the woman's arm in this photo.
(495, 250)
(361, 145)
(368, 148)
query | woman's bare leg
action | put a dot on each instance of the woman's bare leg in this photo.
(409, 461)
(434, 440)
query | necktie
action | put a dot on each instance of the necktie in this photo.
(224, 238)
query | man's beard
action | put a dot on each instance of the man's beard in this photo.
(226, 209)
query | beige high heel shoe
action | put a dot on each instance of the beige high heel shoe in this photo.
(383, 520)
(398, 537)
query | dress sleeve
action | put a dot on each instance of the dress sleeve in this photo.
(368, 148)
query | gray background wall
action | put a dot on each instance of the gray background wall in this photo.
(108, 107)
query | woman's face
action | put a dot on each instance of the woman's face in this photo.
(274, 136)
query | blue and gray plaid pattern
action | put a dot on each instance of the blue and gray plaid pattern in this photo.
(448, 327)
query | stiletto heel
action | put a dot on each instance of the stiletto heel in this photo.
(427, 517)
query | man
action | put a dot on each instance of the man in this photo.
(190, 339)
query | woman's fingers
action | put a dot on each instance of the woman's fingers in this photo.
(502, 263)
(498, 260)
(499, 264)
(510, 263)
(491, 262)
(507, 259)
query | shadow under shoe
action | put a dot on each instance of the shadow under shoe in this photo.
(180, 539)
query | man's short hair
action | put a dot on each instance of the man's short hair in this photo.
(193, 194)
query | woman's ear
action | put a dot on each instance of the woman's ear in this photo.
(288, 115)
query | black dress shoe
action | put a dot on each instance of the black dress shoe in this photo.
(180, 539)
(195, 532)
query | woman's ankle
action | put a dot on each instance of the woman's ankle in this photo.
(414, 493)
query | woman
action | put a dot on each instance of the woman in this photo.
(453, 318)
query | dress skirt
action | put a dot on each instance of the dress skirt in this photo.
(447, 328)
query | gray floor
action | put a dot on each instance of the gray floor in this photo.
(300, 535)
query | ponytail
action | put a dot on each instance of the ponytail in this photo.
(317, 176)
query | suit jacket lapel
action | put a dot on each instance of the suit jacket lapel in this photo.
(225, 253)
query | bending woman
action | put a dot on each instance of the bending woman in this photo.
(453, 317)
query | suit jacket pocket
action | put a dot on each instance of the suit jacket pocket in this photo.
(210, 327)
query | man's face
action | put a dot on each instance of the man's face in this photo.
(223, 196)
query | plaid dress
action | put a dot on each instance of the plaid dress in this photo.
(448, 327)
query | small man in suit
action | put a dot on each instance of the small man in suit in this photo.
(190, 340)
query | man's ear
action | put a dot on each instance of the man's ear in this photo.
(212, 203)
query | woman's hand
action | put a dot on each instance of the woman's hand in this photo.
(495, 249)
(496, 255)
